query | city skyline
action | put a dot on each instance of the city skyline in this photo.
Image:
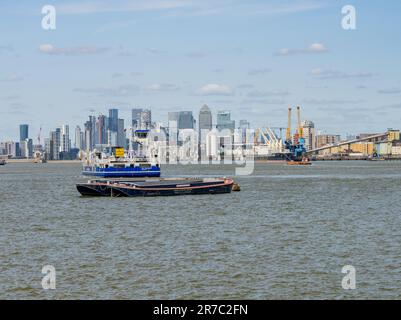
(247, 58)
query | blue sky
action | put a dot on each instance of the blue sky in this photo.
(254, 58)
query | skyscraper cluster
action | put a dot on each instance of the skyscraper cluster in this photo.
(101, 131)
(107, 131)
(58, 144)
(141, 119)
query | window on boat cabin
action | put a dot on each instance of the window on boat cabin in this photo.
(145, 165)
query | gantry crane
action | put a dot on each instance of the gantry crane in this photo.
(295, 146)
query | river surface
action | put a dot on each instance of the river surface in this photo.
(286, 235)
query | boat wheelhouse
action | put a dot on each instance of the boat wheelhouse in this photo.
(119, 164)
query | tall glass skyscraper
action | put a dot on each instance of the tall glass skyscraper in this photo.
(205, 121)
(113, 120)
(224, 121)
(23, 132)
(136, 118)
(146, 119)
(186, 120)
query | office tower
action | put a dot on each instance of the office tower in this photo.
(121, 136)
(244, 125)
(23, 132)
(24, 149)
(309, 134)
(186, 120)
(224, 121)
(205, 119)
(55, 137)
(205, 124)
(173, 118)
(48, 149)
(146, 119)
(90, 133)
(65, 142)
(101, 130)
(18, 149)
(51, 146)
(79, 138)
(141, 119)
(113, 120)
(111, 138)
(136, 118)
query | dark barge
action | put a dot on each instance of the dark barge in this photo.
(152, 188)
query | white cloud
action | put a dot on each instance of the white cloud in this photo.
(317, 47)
(313, 48)
(52, 50)
(162, 87)
(215, 89)
(326, 74)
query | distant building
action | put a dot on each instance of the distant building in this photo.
(205, 124)
(186, 120)
(65, 142)
(309, 134)
(26, 147)
(244, 125)
(53, 145)
(9, 149)
(173, 118)
(136, 118)
(101, 130)
(205, 121)
(79, 138)
(141, 119)
(111, 138)
(113, 120)
(224, 121)
(121, 136)
(326, 139)
(146, 119)
(23, 132)
(90, 134)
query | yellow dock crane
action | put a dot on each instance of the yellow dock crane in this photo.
(288, 132)
(296, 147)
(300, 129)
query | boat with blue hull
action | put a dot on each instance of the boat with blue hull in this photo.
(152, 188)
(118, 169)
(119, 165)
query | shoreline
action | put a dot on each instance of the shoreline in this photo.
(18, 161)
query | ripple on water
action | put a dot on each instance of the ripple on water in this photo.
(287, 234)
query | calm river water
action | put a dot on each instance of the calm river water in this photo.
(287, 234)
